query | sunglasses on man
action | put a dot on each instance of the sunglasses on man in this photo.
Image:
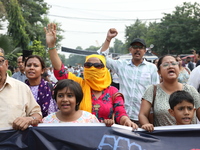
(96, 65)
(137, 46)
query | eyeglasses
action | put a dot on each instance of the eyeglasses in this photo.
(137, 46)
(167, 64)
(96, 65)
(2, 62)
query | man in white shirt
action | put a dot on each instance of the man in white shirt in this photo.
(134, 75)
(194, 79)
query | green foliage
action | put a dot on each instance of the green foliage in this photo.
(119, 47)
(75, 60)
(12, 59)
(92, 48)
(178, 32)
(27, 19)
(38, 49)
(16, 27)
(2, 12)
(6, 43)
(33, 12)
(79, 48)
(11, 53)
(136, 30)
(63, 59)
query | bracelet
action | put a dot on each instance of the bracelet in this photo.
(107, 40)
(51, 48)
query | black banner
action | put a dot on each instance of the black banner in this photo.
(78, 52)
(97, 136)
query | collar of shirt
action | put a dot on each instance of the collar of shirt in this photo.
(144, 62)
(8, 81)
(22, 73)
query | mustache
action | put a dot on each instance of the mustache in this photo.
(137, 53)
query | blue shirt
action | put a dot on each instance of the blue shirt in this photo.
(19, 76)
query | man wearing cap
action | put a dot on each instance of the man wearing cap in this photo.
(134, 76)
(18, 108)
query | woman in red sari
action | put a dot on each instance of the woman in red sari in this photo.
(98, 94)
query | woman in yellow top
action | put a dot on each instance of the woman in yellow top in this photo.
(98, 94)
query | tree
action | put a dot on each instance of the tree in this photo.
(178, 32)
(136, 30)
(63, 59)
(34, 17)
(16, 27)
(38, 49)
(74, 60)
(33, 13)
(2, 12)
(6, 43)
(92, 48)
(153, 38)
(119, 47)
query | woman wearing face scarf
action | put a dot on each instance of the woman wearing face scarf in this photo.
(98, 94)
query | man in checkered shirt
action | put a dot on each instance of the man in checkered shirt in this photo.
(134, 75)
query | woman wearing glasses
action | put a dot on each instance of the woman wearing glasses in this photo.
(168, 69)
(98, 94)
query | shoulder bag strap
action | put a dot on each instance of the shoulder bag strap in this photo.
(187, 70)
(154, 94)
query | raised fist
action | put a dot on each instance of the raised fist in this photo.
(111, 33)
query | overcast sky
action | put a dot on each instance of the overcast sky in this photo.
(86, 22)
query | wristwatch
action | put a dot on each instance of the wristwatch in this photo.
(33, 117)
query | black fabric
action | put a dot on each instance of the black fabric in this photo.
(26, 53)
(198, 63)
(50, 86)
(190, 66)
(99, 137)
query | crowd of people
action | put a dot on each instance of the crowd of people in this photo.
(134, 93)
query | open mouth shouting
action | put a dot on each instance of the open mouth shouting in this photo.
(137, 54)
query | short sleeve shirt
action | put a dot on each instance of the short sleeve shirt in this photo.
(86, 117)
(161, 104)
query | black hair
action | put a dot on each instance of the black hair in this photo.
(178, 97)
(72, 86)
(154, 61)
(45, 74)
(38, 57)
(161, 59)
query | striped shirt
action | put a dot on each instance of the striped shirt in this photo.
(133, 81)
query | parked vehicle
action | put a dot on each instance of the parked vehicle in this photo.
(148, 57)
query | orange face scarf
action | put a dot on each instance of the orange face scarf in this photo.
(95, 79)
